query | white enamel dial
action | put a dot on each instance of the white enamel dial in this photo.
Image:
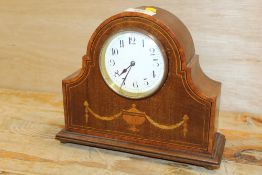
(132, 64)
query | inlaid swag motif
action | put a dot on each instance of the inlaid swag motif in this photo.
(134, 118)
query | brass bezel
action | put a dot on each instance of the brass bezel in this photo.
(116, 88)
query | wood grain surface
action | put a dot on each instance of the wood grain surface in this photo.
(30, 120)
(43, 41)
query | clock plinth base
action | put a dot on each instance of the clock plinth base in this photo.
(209, 161)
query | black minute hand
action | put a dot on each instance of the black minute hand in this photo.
(131, 65)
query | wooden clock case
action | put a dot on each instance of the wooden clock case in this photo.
(177, 123)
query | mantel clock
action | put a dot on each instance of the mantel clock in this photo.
(141, 90)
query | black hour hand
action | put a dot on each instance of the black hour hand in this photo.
(125, 70)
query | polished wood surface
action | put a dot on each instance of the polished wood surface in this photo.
(58, 31)
(30, 120)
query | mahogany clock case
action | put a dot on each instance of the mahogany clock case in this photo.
(178, 122)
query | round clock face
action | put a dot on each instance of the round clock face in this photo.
(133, 64)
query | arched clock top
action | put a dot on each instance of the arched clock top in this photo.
(162, 21)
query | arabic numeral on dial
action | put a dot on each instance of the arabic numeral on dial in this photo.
(121, 43)
(146, 81)
(123, 83)
(155, 62)
(116, 73)
(132, 40)
(112, 62)
(114, 51)
(154, 74)
(152, 51)
(135, 85)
